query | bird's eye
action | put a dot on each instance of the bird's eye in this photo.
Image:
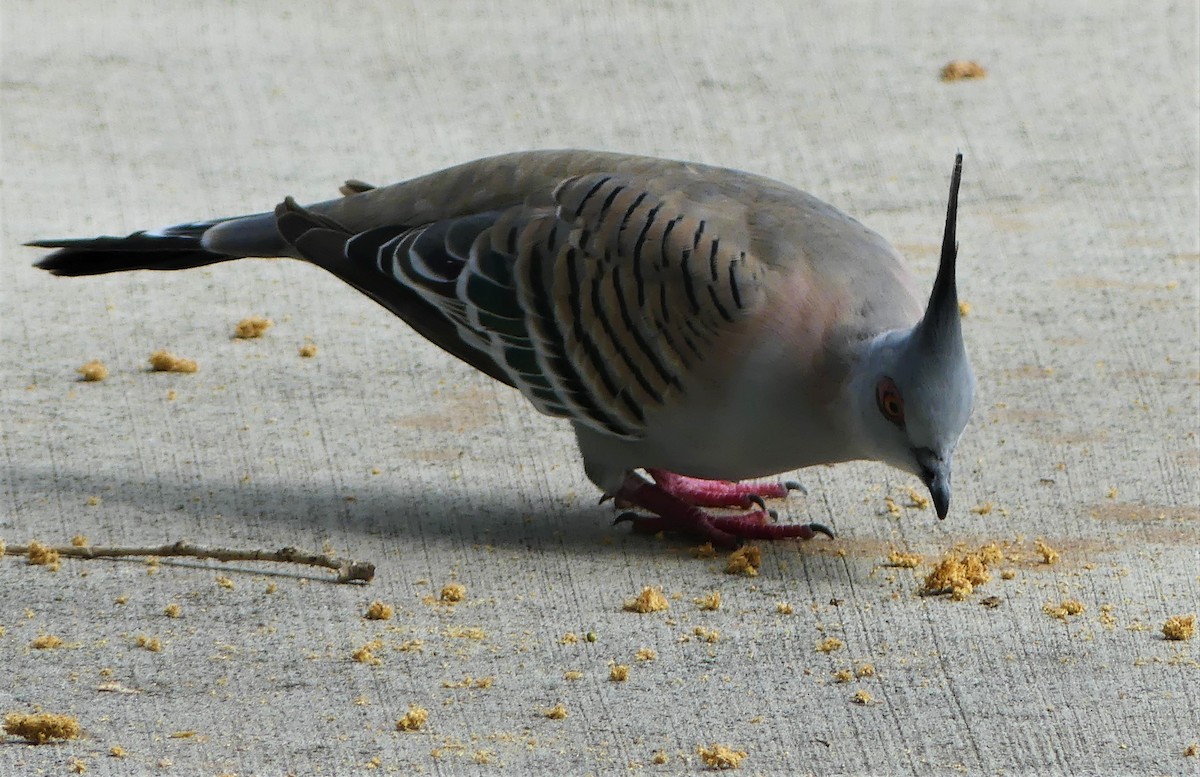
(887, 396)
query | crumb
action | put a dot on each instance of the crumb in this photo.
(362, 701)
(378, 611)
(708, 635)
(1180, 627)
(744, 561)
(453, 593)
(44, 556)
(962, 70)
(93, 371)
(618, 673)
(830, 644)
(862, 697)
(865, 670)
(557, 712)
(1049, 554)
(958, 574)
(366, 653)
(46, 642)
(659, 758)
(308, 350)
(646, 654)
(79, 541)
(649, 600)
(225, 582)
(484, 757)
(704, 551)
(1192, 750)
(271, 588)
(711, 601)
(964, 308)
(173, 610)
(414, 719)
(904, 559)
(1112, 492)
(991, 602)
(473, 632)
(40, 727)
(254, 326)
(917, 499)
(570, 638)
(78, 765)
(843, 675)
(572, 674)
(784, 608)
(983, 509)
(721, 757)
(891, 507)
(116, 751)
(122, 599)
(153, 644)
(165, 361)
(1067, 607)
(1008, 574)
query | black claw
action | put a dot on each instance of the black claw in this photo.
(604, 498)
(631, 517)
(795, 485)
(758, 500)
(774, 515)
(821, 528)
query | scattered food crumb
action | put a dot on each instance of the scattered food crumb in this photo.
(958, 573)
(708, 635)
(308, 350)
(1065, 608)
(165, 361)
(43, 556)
(904, 559)
(93, 371)
(570, 638)
(1192, 750)
(721, 757)
(917, 499)
(173, 610)
(557, 712)
(1180, 627)
(116, 751)
(646, 654)
(618, 673)
(983, 509)
(1008, 574)
(379, 611)
(865, 670)
(572, 674)
(830, 644)
(453, 593)
(964, 308)
(649, 600)
(46, 642)
(784, 608)
(366, 653)
(40, 727)
(659, 758)
(744, 561)
(891, 507)
(79, 541)
(252, 327)
(1112, 492)
(991, 602)
(1049, 554)
(153, 644)
(843, 675)
(862, 697)
(710, 601)
(483, 757)
(225, 582)
(414, 719)
(962, 70)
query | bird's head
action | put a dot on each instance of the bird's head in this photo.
(918, 388)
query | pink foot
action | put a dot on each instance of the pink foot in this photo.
(721, 493)
(673, 513)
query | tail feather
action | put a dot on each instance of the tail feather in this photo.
(174, 248)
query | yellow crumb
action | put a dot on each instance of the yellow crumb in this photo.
(721, 757)
(1065, 608)
(830, 644)
(904, 559)
(572, 674)
(843, 675)
(865, 670)
(891, 507)
(958, 574)
(153, 644)
(43, 556)
(308, 350)
(659, 758)
(414, 719)
(116, 751)
(1049, 554)
(557, 712)
(483, 757)
(461, 632)
(570, 638)
(165, 361)
(173, 610)
(40, 727)
(366, 653)
(78, 765)
(1112, 492)
(618, 673)
(453, 593)
(378, 611)
(708, 635)
(254, 326)
(271, 588)
(225, 582)
(983, 509)
(784, 608)
(79, 541)
(962, 70)
(649, 600)
(704, 551)
(964, 308)
(93, 371)
(1180, 627)
(862, 697)
(1008, 574)
(171, 395)
(46, 642)
(1192, 750)
(917, 499)
(710, 601)
(744, 561)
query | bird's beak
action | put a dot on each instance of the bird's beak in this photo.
(935, 473)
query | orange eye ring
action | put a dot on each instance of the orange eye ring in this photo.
(891, 404)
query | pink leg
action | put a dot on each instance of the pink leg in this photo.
(672, 513)
(721, 493)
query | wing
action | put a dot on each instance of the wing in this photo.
(597, 306)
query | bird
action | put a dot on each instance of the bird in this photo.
(701, 328)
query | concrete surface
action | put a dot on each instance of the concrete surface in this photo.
(1079, 259)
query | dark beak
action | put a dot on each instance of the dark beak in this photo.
(935, 473)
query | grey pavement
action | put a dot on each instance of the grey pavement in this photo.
(1079, 257)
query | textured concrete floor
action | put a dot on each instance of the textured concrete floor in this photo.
(1079, 259)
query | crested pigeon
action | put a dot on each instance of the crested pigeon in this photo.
(698, 326)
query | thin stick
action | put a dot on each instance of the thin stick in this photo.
(347, 570)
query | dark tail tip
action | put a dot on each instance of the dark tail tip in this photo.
(139, 251)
